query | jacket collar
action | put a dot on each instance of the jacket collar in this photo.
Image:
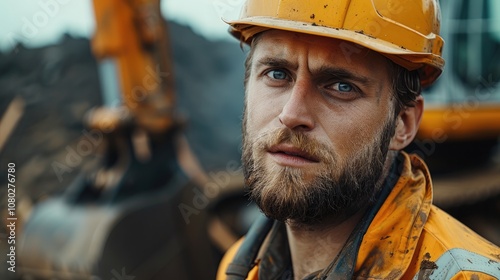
(389, 245)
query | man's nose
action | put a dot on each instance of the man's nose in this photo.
(296, 113)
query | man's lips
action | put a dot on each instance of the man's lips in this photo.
(291, 153)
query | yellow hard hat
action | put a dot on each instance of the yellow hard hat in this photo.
(405, 31)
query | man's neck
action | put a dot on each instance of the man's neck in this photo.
(314, 248)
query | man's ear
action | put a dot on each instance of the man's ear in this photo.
(407, 124)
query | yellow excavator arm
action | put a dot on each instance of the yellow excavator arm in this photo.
(132, 47)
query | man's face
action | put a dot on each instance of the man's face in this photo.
(317, 125)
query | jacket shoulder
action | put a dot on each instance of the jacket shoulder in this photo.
(449, 233)
(457, 251)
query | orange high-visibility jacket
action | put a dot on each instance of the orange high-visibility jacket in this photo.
(407, 238)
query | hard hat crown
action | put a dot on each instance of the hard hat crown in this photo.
(405, 31)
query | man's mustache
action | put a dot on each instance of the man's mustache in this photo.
(298, 140)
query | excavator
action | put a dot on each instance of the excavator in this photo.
(140, 213)
(145, 212)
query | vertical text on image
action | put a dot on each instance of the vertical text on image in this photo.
(11, 218)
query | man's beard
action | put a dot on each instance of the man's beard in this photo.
(337, 189)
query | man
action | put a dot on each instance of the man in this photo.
(332, 97)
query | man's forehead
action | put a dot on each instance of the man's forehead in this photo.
(286, 44)
(321, 51)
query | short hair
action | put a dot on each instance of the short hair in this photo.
(406, 85)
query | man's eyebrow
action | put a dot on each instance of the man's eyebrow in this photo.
(324, 71)
(277, 62)
(343, 74)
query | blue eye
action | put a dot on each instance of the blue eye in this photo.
(277, 74)
(343, 87)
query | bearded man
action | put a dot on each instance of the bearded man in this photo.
(333, 95)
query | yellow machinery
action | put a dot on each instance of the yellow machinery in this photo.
(131, 42)
(466, 102)
(463, 107)
(123, 220)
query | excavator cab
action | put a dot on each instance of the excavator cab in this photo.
(460, 124)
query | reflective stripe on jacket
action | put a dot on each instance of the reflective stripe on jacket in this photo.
(409, 238)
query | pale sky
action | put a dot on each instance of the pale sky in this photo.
(40, 22)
